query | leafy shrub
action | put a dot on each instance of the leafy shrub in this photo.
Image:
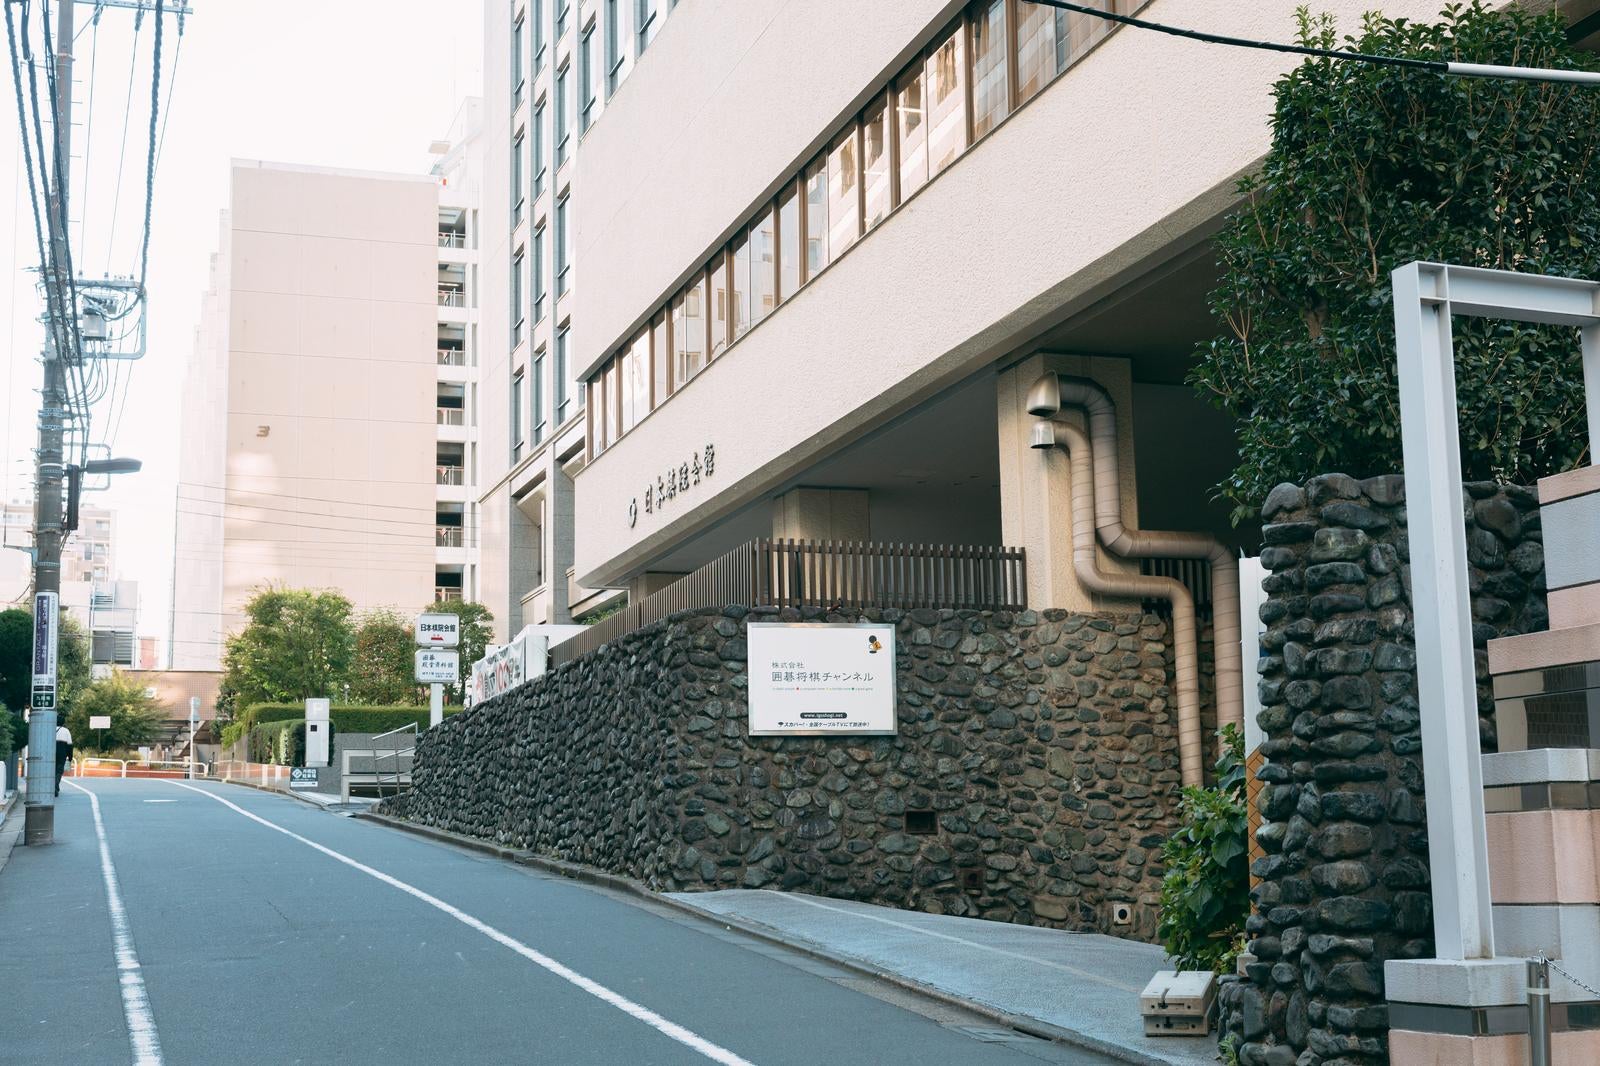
(1371, 168)
(1205, 895)
(282, 743)
(345, 718)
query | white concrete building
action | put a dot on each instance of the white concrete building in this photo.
(830, 247)
(330, 408)
(843, 275)
(551, 67)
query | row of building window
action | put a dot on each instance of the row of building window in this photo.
(563, 271)
(568, 399)
(994, 58)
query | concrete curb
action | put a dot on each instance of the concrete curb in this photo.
(9, 833)
(268, 789)
(1029, 1026)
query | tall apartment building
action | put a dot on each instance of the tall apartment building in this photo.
(551, 68)
(329, 410)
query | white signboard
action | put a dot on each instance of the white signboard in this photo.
(811, 678)
(99, 721)
(433, 665)
(438, 630)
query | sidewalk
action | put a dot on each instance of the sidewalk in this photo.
(1084, 985)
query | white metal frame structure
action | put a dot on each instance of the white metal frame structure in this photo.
(1426, 296)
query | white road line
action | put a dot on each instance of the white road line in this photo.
(1086, 974)
(594, 988)
(135, 1004)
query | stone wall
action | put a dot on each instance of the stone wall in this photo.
(1044, 746)
(1344, 885)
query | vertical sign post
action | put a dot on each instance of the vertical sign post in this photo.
(42, 718)
(194, 724)
(442, 631)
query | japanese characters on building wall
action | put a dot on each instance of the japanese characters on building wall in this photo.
(674, 480)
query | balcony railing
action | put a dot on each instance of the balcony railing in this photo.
(447, 536)
(452, 239)
(452, 357)
(452, 416)
(829, 574)
(443, 593)
(449, 297)
(448, 475)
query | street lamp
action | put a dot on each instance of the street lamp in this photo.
(112, 466)
(92, 466)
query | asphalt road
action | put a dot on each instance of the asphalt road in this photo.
(261, 929)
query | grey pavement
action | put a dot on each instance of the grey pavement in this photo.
(256, 947)
(1084, 984)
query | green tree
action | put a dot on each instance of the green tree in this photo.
(477, 631)
(298, 643)
(73, 666)
(383, 668)
(1371, 168)
(135, 716)
(16, 657)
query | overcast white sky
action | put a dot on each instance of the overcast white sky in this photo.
(365, 84)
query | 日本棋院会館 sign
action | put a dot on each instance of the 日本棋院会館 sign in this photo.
(816, 679)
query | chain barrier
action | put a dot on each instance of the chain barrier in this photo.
(1552, 964)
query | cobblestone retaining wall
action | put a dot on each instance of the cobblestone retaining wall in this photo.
(1344, 884)
(1045, 746)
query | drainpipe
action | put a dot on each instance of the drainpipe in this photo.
(1185, 634)
(1045, 399)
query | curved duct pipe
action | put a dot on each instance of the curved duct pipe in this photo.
(1185, 632)
(1045, 399)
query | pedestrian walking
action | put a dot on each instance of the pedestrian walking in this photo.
(63, 752)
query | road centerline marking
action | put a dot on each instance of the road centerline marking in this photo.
(130, 978)
(637, 1011)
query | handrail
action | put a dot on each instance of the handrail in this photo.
(412, 726)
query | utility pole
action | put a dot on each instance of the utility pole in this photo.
(39, 814)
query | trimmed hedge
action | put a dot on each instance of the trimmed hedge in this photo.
(282, 743)
(263, 724)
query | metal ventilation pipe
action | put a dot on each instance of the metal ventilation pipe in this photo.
(1185, 632)
(1045, 399)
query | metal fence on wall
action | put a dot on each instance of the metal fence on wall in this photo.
(828, 574)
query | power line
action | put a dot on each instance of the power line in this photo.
(301, 525)
(319, 499)
(150, 162)
(88, 134)
(272, 508)
(172, 83)
(116, 200)
(1435, 66)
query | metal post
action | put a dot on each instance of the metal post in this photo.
(39, 815)
(1538, 1012)
(194, 718)
(435, 704)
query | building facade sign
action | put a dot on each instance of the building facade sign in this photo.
(509, 665)
(677, 479)
(813, 678)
